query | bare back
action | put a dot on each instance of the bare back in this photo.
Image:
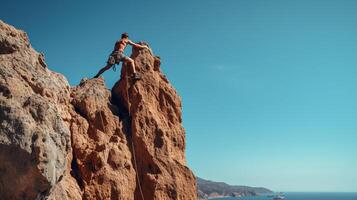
(120, 45)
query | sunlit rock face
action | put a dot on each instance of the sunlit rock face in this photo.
(87, 142)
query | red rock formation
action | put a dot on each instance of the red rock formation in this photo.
(58, 142)
(156, 131)
(34, 117)
(100, 145)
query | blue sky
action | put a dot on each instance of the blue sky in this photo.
(269, 88)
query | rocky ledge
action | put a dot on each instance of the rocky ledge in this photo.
(88, 142)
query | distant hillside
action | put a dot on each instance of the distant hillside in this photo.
(209, 189)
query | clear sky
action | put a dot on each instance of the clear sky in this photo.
(269, 88)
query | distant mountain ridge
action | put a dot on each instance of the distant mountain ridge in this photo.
(209, 189)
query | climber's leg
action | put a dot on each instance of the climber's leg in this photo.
(101, 71)
(131, 62)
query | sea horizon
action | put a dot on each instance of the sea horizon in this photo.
(300, 196)
(163, 100)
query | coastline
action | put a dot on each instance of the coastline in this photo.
(300, 196)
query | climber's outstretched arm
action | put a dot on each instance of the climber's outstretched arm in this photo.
(140, 46)
(137, 45)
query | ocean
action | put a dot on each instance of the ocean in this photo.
(303, 196)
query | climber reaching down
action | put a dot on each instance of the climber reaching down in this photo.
(117, 55)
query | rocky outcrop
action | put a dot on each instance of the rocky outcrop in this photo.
(102, 158)
(87, 142)
(156, 130)
(34, 120)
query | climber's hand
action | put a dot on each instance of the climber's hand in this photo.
(148, 48)
(150, 51)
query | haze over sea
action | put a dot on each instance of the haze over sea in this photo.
(304, 196)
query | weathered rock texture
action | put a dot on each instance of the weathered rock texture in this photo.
(88, 142)
(34, 117)
(100, 146)
(156, 130)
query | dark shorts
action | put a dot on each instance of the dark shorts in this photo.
(115, 58)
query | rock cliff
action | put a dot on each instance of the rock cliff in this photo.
(88, 142)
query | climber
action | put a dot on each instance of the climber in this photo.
(117, 55)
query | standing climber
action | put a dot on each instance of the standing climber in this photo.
(117, 55)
